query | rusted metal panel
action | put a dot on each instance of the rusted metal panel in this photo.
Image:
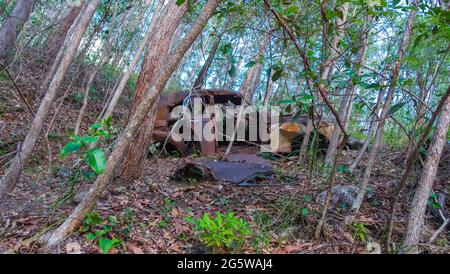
(241, 169)
(167, 103)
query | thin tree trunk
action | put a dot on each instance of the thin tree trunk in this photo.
(57, 60)
(104, 57)
(12, 175)
(373, 124)
(199, 81)
(252, 78)
(326, 68)
(56, 40)
(409, 166)
(347, 98)
(154, 60)
(132, 128)
(13, 26)
(419, 203)
(85, 103)
(123, 81)
(384, 114)
(269, 88)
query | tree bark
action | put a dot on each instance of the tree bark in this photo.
(326, 69)
(419, 202)
(154, 60)
(373, 124)
(56, 40)
(12, 175)
(13, 26)
(123, 81)
(409, 166)
(199, 81)
(252, 78)
(132, 128)
(347, 98)
(384, 114)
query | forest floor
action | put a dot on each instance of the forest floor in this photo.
(149, 214)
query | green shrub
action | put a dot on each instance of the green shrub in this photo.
(100, 231)
(223, 233)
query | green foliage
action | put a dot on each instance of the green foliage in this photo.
(395, 108)
(359, 231)
(94, 157)
(225, 232)
(108, 233)
(433, 201)
(100, 231)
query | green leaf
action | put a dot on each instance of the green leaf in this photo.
(232, 71)
(86, 139)
(308, 198)
(277, 75)
(305, 212)
(395, 108)
(71, 148)
(292, 10)
(96, 160)
(106, 245)
(180, 2)
(250, 64)
(286, 102)
(90, 236)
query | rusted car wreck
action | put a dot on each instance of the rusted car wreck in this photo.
(287, 128)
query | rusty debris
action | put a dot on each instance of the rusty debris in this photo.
(281, 135)
(238, 169)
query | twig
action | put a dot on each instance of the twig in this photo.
(18, 90)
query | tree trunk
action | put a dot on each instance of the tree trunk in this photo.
(57, 60)
(105, 55)
(56, 40)
(12, 175)
(199, 81)
(347, 98)
(419, 202)
(384, 114)
(13, 26)
(123, 81)
(154, 60)
(252, 78)
(132, 128)
(326, 68)
(373, 124)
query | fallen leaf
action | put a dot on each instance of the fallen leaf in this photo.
(135, 249)
(73, 248)
(175, 211)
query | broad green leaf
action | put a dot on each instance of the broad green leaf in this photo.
(277, 75)
(106, 245)
(90, 236)
(96, 160)
(395, 108)
(71, 148)
(232, 71)
(286, 102)
(292, 10)
(86, 139)
(250, 64)
(180, 2)
(305, 211)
